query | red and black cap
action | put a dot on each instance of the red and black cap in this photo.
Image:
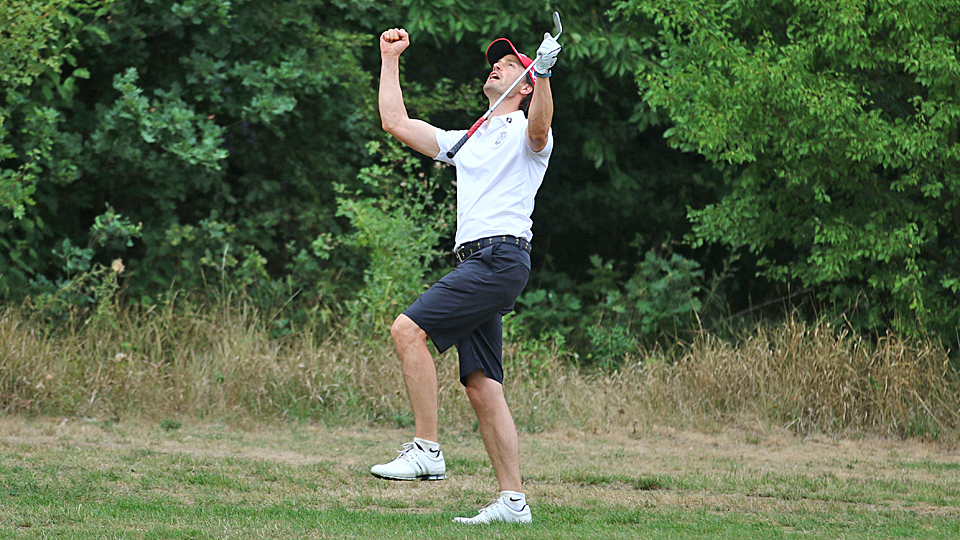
(502, 47)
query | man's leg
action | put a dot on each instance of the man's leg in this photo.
(497, 429)
(500, 437)
(422, 458)
(419, 374)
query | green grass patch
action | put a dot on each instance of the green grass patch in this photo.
(119, 481)
(934, 466)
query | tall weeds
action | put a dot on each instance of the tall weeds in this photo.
(222, 362)
(185, 360)
(814, 378)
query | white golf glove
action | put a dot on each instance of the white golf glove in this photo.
(546, 55)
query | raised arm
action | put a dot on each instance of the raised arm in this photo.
(540, 114)
(416, 134)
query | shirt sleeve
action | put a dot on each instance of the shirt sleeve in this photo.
(447, 140)
(544, 154)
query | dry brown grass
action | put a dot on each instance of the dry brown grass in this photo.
(186, 360)
(221, 362)
(808, 378)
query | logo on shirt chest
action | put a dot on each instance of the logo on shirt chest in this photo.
(502, 136)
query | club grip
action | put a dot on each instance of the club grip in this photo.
(463, 140)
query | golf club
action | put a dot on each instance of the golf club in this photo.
(453, 151)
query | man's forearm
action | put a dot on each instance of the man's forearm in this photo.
(540, 115)
(392, 109)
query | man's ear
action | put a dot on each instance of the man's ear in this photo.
(526, 89)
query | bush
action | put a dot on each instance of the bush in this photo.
(608, 318)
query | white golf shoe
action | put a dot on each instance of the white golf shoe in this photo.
(416, 462)
(498, 511)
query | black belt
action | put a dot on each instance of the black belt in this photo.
(473, 246)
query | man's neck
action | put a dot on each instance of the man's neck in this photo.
(504, 108)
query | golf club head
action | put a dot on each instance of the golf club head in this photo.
(556, 23)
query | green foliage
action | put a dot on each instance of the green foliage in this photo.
(136, 129)
(664, 289)
(610, 345)
(212, 254)
(399, 228)
(222, 128)
(170, 425)
(86, 288)
(543, 309)
(112, 229)
(37, 40)
(609, 317)
(835, 125)
(661, 298)
(533, 357)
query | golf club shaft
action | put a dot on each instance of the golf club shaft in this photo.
(463, 140)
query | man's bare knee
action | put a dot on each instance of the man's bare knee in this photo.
(474, 394)
(481, 389)
(404, 330)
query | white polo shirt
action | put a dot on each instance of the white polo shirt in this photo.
(498, 176)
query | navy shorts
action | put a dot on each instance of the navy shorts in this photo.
(466, 307)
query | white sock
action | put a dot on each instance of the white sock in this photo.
(516, 501)
(427, 445)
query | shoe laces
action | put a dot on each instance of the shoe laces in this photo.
(490, 506)
(408, 449)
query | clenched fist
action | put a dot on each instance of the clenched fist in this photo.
(393, 42)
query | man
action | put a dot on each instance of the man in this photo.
(499, 170)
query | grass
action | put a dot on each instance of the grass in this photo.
(222, 361)
(190, 421)
(66, 478)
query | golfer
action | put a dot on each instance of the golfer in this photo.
(499, 170)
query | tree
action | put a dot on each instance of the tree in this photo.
(835, 126)
(211, 134)
(37, 39)
(220, 126)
